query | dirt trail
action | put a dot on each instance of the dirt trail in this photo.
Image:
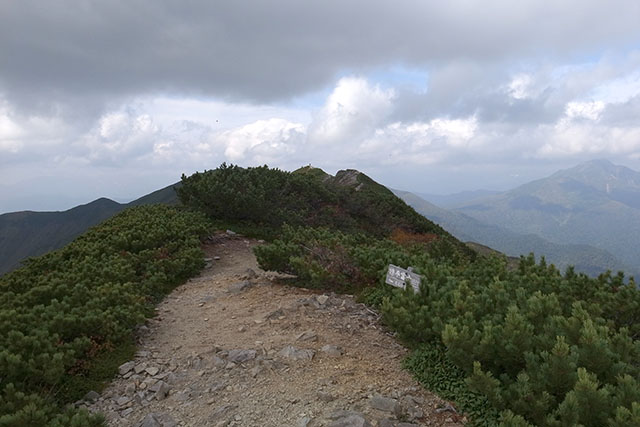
(234, 348)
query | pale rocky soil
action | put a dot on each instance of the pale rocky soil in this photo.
(233, 347)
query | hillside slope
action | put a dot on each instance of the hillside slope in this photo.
(27, 234)
(349, 202)
(584, 258)
(596, 203)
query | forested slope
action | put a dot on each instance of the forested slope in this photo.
(266, 199)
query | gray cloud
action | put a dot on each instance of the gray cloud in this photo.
(264, 51)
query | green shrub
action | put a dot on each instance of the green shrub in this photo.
(262, 200)
(63, 310)
(543, 347)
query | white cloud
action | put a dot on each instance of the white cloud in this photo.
(588, 138)
(263, 140)
(420, 142)
(352, 112)
(581, 132)
(10, 133)
(620, 89)
(119, 137)
(584, 110)
(30, 135)
(520, 86)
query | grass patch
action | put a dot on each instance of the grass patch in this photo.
(431, 367)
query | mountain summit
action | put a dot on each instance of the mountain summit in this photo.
(603, 179)
(595, 203)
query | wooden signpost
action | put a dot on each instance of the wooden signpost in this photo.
(398, 277)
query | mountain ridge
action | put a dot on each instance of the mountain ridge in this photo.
(584, 258)
(25, 234)
(593, 203)
(328, 235)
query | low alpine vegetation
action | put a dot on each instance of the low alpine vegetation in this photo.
(64, 311)
(541, 347)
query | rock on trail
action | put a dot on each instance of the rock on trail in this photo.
(233, 347)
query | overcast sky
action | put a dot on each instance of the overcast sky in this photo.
(119, 98)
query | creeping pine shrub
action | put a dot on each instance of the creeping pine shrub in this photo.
(542, 347)
(264, 198)
(321, 257)
(70, 307)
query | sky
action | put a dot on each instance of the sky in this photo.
(120, 98)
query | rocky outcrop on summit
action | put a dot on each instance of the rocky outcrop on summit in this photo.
(264, 354)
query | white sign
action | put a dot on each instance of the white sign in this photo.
(398, 277)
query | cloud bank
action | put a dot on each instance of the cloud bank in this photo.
(126, 96)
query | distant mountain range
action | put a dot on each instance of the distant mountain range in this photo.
(595, 203)
(448, 201)
(585, 258)
(26, 234)
(587, 216)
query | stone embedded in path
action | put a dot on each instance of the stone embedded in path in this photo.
(275, 314)
(152, 370)
(218, 362)
(291, 352)
(150, 421)
(239, 286)
(241, 356)
(158, 420)
(332, 350)
(221, 411)
(348, 419)
(121, 401)
(255, 371)
(325, 397)
(126, 367)
(385, 404)
(447, 408)
(161, 389)
(322, 299)
(386, 422)
(250, 274)
(130, 389)
(411, 407)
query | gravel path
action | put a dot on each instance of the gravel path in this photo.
(233, 347)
